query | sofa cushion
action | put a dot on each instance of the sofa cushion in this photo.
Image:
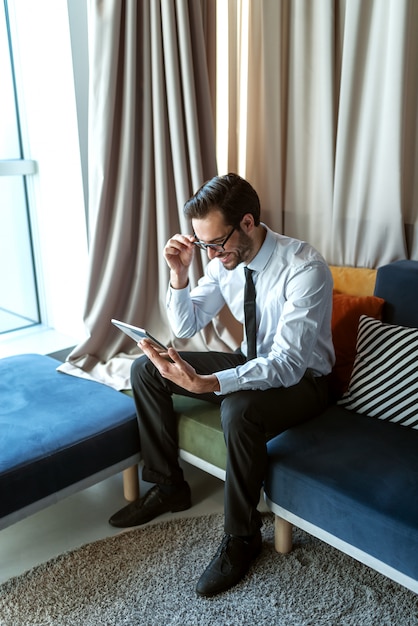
(356, 478)
(346, 312)
(357, 281)
(384, 381)
(200, 430)
(397, 283)
(56, 430)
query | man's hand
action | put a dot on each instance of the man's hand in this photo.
(178, 253)
(174, 368)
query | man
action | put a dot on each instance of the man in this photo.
(259, 395)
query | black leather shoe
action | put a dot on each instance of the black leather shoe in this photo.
(229, 565)
(154, 503)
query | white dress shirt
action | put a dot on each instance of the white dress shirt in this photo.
(293, 310)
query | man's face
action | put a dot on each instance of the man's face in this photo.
(231, 245)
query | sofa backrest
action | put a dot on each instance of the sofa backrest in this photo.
(397, 284)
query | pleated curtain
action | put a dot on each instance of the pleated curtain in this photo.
(314, 102)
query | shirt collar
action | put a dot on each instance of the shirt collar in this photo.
(259, 262)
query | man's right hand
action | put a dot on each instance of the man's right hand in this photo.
(178, 252)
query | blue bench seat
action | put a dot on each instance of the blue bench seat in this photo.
(355, 478)
(58, 434)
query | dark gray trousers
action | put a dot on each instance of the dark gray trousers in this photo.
(249, 419)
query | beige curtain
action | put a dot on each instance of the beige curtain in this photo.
(329, 92)
(316, 105)
(151, 144)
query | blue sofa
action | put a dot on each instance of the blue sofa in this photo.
(350, 476)
(59, 434)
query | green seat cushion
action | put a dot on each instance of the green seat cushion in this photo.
(200, 430)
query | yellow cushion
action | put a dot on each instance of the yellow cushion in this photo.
(355, 281)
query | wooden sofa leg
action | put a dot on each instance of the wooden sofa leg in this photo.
(282, 535)
(131, 483)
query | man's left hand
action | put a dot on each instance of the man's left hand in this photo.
(174, 368)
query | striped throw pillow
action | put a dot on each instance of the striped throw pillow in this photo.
(384, 380)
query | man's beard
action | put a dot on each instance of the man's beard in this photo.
(242, 252)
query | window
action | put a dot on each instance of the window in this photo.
(50, 234)
(19, 307)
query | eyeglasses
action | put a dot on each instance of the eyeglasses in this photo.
(216, 247)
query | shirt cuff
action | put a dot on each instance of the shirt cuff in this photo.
(228, 382)
(177, 295)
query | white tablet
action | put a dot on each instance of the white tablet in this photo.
(137, 333)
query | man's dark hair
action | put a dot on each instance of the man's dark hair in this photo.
(231, 194)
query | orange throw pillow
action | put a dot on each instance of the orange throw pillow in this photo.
(346, 313)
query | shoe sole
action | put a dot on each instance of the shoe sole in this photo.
(181, 507)
(174, 509)
(150, 517)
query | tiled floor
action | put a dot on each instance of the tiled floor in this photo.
(82, 518)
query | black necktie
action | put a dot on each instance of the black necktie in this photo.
(249, 314)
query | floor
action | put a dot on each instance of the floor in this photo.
(82, 518)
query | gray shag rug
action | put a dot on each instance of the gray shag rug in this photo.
(147, 577)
